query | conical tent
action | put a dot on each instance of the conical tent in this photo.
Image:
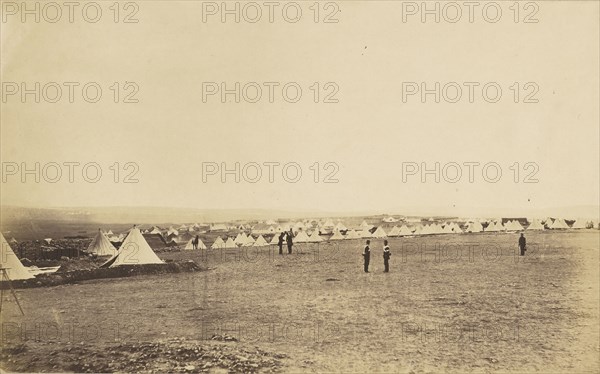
(340, 227)
(315, 237)
(395, 231)
(101, 246)
(190, 245)
(536, 225)
(379, 233)
(275, 239)
(249, 241)
(558, 224)
(328, 224)
(495, 227)
(10, 262)
(352, 235)
(337, 236)
(154, 230)
(404, 231)
(516, 225)
(579, 224)
(229, 244)
(219, 243)
(134, 251)
(475, 227)
(302, 237)
(260, 242)
(436, 229)
(365, 234)
(240, 238)
(456, 228)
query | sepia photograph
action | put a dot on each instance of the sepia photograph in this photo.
(308, 186)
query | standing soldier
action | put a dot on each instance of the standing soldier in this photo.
(367, 256)
(280, 243)
(195, 242)
(289, 240)
(522, 244)
(386, 256)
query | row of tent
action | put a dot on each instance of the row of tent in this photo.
(102, 246)
(184, 232)
(135, 250)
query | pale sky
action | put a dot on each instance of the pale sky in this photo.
(369, 133)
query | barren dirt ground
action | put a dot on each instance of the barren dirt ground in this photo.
(457, 303)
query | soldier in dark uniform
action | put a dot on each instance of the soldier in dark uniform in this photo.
(280, 243)
(290, 241)
(367, 256)
(386, 256)
(522, 244)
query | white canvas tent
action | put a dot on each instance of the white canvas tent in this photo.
(10, 262)
(365, 234)
(379, 233)
(559, 224)
(404, 231)
(352, 235)
(337, 236)
(436, 229)
(219, 243)
(190, 246)
(134, 251)
(249, 241)
(101, 246)
(230, 244)
(275, 239)
(302, 237)
(514, 226)
(340, 227)
(315, 237)
(328, 224)
(240, 238)
(395, 231)
(447, 229)
(456, 228)
(365, 226)
(579, 224)
(260, 242)
(425, 230)
(474, 227)
(495, 227)
(155, 230)
(536, 225)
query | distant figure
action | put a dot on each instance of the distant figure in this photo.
(289, 239)
(280, 242)
(195, 242)
(386, 256)
(522, 244)
(367, 256)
